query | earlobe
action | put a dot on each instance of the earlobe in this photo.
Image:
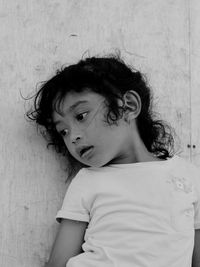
(132, 104)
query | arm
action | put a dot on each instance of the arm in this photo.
(196, 252)
(68, 242)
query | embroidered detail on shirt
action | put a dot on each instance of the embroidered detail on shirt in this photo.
(189, 212)
(181, 184)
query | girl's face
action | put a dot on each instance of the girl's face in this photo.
(86, 133)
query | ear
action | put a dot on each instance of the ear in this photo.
(132, 105)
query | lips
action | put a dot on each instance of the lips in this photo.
(85, 151)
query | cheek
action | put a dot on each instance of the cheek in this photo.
(99, 131)
(104, 135)
(73, 154)
(68, 146)
(100, 125)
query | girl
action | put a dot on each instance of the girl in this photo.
(131, 202)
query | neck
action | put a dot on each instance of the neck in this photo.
(136, 151)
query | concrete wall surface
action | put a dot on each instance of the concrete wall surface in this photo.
(160, 38)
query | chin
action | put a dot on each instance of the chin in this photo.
(96, 164)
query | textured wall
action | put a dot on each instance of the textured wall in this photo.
(161, 38)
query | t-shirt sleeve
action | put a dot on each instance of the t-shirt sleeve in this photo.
(73, 206)
(196, 184)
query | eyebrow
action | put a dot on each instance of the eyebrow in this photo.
(72, 107)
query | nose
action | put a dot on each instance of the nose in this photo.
(75, 137)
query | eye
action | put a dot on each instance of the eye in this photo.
(81, 116)
(64, 132)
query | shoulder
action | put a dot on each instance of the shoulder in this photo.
(186, 171)
(93, 178)
(184, 165)
(93, 173)
(84, 180)
(86, 174)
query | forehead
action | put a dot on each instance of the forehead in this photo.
(87, 96)
(73, 100)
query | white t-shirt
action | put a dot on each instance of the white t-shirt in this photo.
(140, 214)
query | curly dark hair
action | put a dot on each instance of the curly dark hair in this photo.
(111, 78)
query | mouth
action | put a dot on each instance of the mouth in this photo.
(86, 151)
